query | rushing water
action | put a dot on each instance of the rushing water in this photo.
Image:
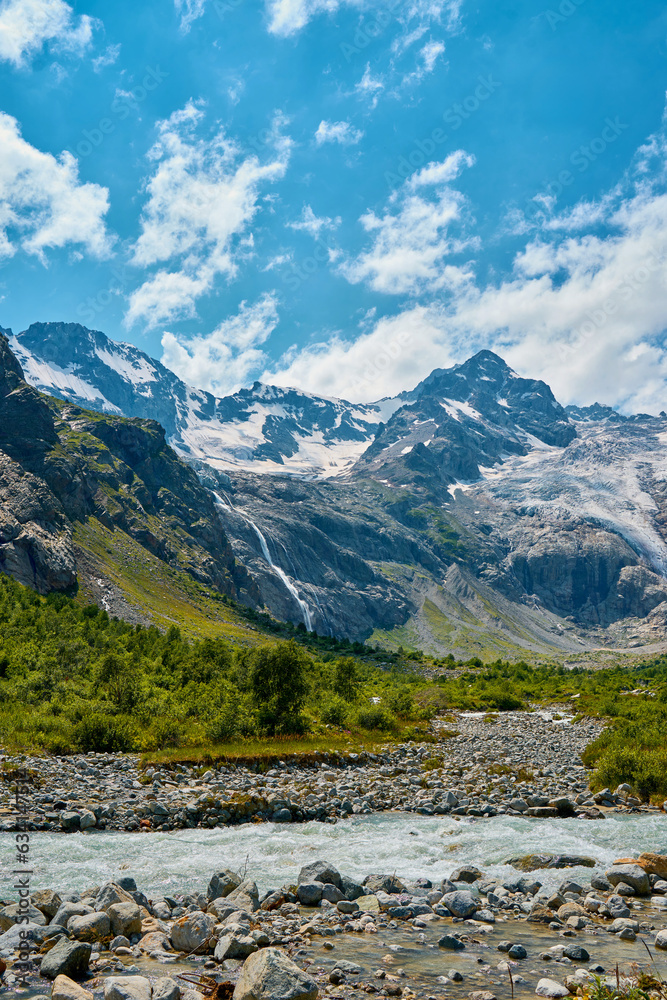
(272, 854)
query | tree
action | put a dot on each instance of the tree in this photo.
(346, 679)
(278, 686)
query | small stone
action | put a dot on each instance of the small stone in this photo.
(661, 940)
(576, 953)
(127, 988)
(518, 952)
(166, 989)
(65, 988)
(450, 943)
(550, 988)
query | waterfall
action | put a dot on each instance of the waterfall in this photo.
(305, 610)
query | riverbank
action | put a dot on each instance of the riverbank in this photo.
(512, 763)
(327, 933)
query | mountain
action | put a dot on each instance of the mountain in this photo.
(472, 514)
(101, 503)
(263, 429)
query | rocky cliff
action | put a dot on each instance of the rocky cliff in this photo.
(62, 466)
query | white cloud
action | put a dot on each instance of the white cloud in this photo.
(224, 359)
(312, 224)
(189, 11)
(108, 58)
(370, 87)
(429, 55)
(42, 202)
(27, 25)
(412, 240)
(286, 17)
(341, 132)
(202, 197)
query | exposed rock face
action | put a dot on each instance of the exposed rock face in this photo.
(60, 465)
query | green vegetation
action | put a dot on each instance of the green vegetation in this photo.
(73, 678)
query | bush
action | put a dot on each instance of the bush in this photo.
(278, 686)
(376, 717)
(98, 733)
(335, 712)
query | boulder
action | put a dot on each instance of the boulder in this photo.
(550, 988)
(191, 933)
(47, 901)
(65, 988)
(66, 958)
(540, 914)
(450, 943)
(234, 946)
(90, 926)
(350, 888)
(109, 894)
(309, 893)
(467, 873)
(68, 910)
(320, 871)
(222, 883)
(9, 915)
(87, 820)
(332, 893)
(127, 988)
(383, 883)
(660, 940)
(571, 910)
(166, 989)
(70, 821)
(19, 933)
(633, 875)
(517, 952)
(653, 864)
(221, 908)
(155, 941)
(576, 953)
(270, 975)
(459, 903)
(246, 896)
(125, 918)
(531, 862)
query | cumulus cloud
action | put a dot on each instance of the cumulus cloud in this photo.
(42, 202)
(203, 195)
(341, 132)
(412, 240)
(313, 224)
(581, 309)
(27, 25)
(223, 360)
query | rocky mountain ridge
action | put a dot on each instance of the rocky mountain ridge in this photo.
(477, 516)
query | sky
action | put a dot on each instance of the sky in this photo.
(342, 195)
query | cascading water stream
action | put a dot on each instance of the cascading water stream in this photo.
(289, 586)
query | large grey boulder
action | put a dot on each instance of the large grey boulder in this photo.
(631, 875)
(320, 871)
(460, 903)
(166, 989)
(234, 946)
(66, 958)
(90, 927)
(309, 893)
(191, 933)
(270, 975)
(127, 988)
(383, 883)
(9, 915)
(222, 883)
(125, 918)
(109, 894)
(222, 908)
(66, 911)
(551, 989)
(245, 896)
(18, 933)
(70, 821)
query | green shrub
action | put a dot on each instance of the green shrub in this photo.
(97, 733)
(376, 717)
(335, 711)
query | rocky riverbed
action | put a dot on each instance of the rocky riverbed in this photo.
(516, 763)
(327, 934)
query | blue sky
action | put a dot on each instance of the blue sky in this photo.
(343, 194)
